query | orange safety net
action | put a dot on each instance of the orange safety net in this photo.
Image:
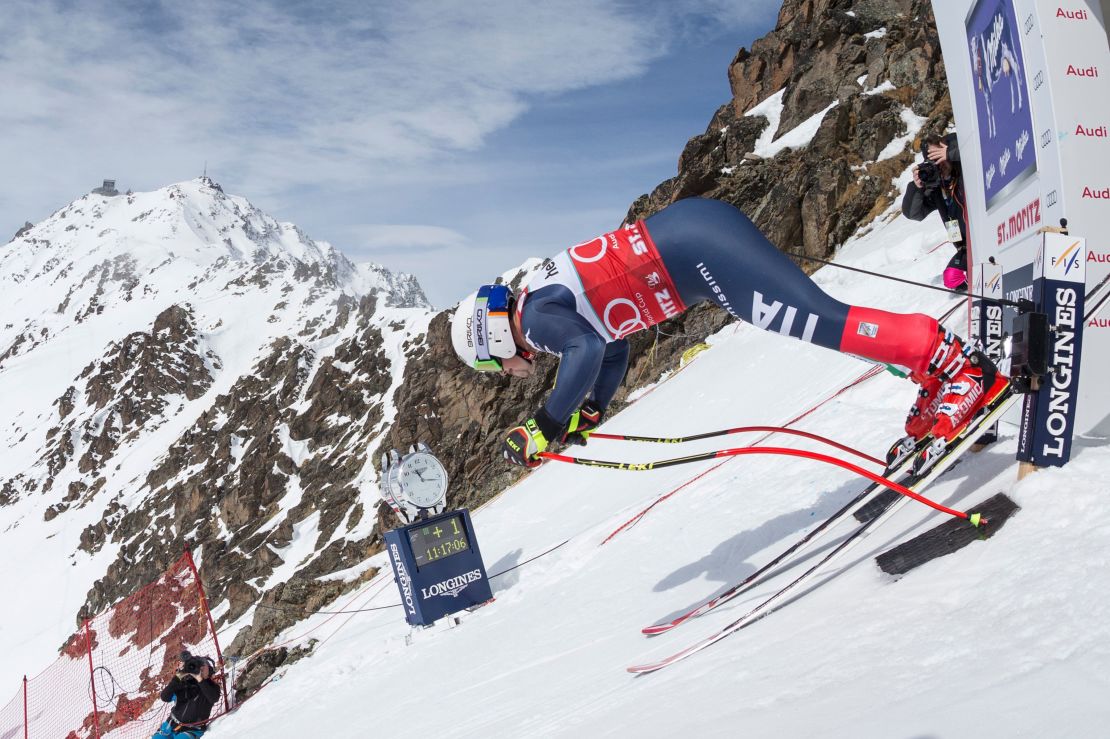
(11, 718)
(108, 679)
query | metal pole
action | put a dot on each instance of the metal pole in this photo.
(92, 682)
(25, 730)
(208, 615)
(234, 660)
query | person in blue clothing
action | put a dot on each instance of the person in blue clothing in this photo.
(583, 303)
(193, 693)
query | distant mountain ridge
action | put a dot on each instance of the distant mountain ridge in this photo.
(179, 368)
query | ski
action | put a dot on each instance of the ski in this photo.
(1002, 404)
(757, 577)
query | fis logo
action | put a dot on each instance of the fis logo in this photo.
(995, 285)
(1070, 258)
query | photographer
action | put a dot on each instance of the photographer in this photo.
(193, 692)
(937, 185)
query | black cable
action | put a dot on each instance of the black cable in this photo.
(957, 293)
(1094, 290)
(398, 605)
(521, 564)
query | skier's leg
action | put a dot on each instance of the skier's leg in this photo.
(714, 253)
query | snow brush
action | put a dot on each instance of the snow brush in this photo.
(738, 430)
(975, 519)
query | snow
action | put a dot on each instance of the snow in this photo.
(877, 33)
(1009, 637)
(886, 86)
(767, 145)
(188, 244)
(897, 145)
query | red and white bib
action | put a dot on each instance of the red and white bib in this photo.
(619, 282)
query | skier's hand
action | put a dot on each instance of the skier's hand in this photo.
(523, 444)
(582, 423)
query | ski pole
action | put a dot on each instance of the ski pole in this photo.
(974, 519)
(737, 430)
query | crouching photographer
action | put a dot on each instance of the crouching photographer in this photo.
(938, 186)
(193, 693)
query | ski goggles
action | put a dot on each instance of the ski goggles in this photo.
(493, 336)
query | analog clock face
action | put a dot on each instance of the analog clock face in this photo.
(392, 485)
(423, 480)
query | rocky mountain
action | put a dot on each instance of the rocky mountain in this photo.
(179, 368)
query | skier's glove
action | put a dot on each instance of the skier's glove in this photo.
(523, 444)
(582, 423)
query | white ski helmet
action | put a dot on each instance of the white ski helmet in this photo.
(480, 328)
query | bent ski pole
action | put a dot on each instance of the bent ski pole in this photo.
(738, 430)
(973, 518)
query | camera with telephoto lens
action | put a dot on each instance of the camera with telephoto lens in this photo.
(928, 171)
(191, 663)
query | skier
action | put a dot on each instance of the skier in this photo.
(583, 303)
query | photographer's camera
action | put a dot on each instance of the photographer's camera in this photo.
(929, 174)
(192, 664)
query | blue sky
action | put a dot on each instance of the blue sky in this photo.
(448, 139)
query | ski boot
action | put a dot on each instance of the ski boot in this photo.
(971, 382)
(919, 421)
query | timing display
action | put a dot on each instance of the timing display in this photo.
(439, 539)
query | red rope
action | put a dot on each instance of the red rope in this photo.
(378, 581)
(866, 375)
(782, 451)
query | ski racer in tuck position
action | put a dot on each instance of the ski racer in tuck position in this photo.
(583, 303)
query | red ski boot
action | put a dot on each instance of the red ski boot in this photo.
(972, 381)
(919, 421)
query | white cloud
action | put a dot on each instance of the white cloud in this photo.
(399, 238)
(275, 99)
(328, 114)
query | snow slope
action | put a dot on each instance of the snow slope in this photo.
(1008, 638)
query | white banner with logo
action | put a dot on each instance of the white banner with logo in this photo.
(1030, 86)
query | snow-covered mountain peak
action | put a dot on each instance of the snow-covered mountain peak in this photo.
(83, 293)
(180, 367)
(192, 231)
(102, 258)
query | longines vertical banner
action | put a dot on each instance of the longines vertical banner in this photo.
(1030, 86)
(1049, 417)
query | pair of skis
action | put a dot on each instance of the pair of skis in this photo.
(914, 483)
